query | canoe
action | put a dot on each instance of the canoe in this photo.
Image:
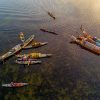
(11, 52)
(44, 30)
(34, 55)
(26, 59)
(51, 15)
(93, 39)
(35, 45)
(12, 84)
(87, 45)
(30, 39)
(27, 62)
(16, 48)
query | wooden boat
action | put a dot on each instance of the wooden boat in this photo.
(44, 30)
(27, 61)
(30, 39)
(14, 85)
(87, 45)
(91, 38)
(15, 49)
(51, 15)
(34, 55)
(11, 52)
(35, 45)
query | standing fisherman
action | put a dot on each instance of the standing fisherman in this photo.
(21, 36)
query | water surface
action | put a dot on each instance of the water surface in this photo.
(72, 73)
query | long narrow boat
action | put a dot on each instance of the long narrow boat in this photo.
(28, 41)
(14, 85)
(35, 45)
(51, 15)
(44, 30)
(34, 55)
(11, 52)
(27, 61)
(87, 45)
(15, 49)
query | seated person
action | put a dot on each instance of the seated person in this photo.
(89, 38)
(97, 41)
(82, 39)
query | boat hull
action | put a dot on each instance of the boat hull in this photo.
(34, 55)
(35, 45)
(16, 49)
(87, 45)
(15, 85)
(28, 41)
(28, 62)
(11, 52)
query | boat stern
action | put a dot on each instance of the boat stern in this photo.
(45, 55)
(1, 60)
(44, 43)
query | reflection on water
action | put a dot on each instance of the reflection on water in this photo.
(72, 73)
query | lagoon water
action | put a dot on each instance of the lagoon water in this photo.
(72, 73)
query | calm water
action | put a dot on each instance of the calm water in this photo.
(72, 73)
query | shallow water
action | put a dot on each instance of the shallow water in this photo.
(72, 73)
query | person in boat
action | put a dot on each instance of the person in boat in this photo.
(82, 39)
(93, 40)
(24, 58)
(21, 35)
(90, 39)
(97, 41)
(13, 84)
